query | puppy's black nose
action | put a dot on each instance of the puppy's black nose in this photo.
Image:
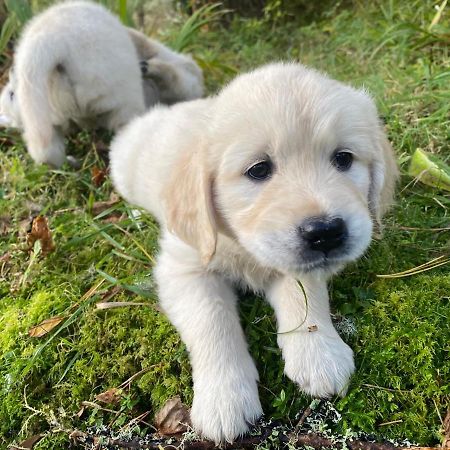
(323, 234)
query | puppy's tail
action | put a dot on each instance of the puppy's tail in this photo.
(35, 65)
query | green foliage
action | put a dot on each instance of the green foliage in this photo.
(20, 9)
(205, 15)
(399, 328)
(19, 12)
(403, 374)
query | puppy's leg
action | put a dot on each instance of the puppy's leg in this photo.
(46, 150)
(315, 356)
(44, 141)
(124, 113)
(202, 307)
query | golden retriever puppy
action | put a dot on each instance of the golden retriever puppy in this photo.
(277, 180)
(75, 62)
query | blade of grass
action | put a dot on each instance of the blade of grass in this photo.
(128, 287)
(434, 263)
(9, 28)
(138, 245)
(204, 15)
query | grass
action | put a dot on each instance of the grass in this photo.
(401, 389)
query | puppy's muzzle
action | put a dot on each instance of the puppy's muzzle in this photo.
(323, 234)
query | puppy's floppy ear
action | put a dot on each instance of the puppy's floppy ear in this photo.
(384, 174)
(189, 203)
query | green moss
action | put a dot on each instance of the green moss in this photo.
(402, 352)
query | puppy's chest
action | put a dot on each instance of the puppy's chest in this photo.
(239, 267)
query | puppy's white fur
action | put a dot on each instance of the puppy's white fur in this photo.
(74, 62)
(187, 166)
(169, 77)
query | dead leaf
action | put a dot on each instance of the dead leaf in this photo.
(312, 328)
(110, 293)
(45, 327)
(98, 175)
(173, 418)
(28, 443)
(99, 207)
(114, 218)
(40, 231)
(111, 396)
(80, 412)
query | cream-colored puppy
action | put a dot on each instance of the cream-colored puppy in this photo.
(168, 76)
(280, 178)
(74, 62)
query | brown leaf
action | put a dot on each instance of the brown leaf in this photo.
(173, 418)
(40, 231)
(45, 327)
(98, 175)
(111, 396)
(110, 293)
(99, 207)
(80, 412)
(114, 217)
(312, 328)
(28, 443)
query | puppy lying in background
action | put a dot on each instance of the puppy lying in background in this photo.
(168, 77)
(76, 62)
(277, 180)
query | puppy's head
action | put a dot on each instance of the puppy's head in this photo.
(299, 170)
(9, 108)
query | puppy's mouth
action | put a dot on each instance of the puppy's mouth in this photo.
(320, 261)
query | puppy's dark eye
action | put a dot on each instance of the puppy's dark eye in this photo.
(342, 160)
(260, 171)
(11, 95)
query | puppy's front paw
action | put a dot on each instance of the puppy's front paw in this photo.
(320, 365)
(225, 406)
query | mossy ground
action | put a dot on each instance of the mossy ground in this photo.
(401, 388)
